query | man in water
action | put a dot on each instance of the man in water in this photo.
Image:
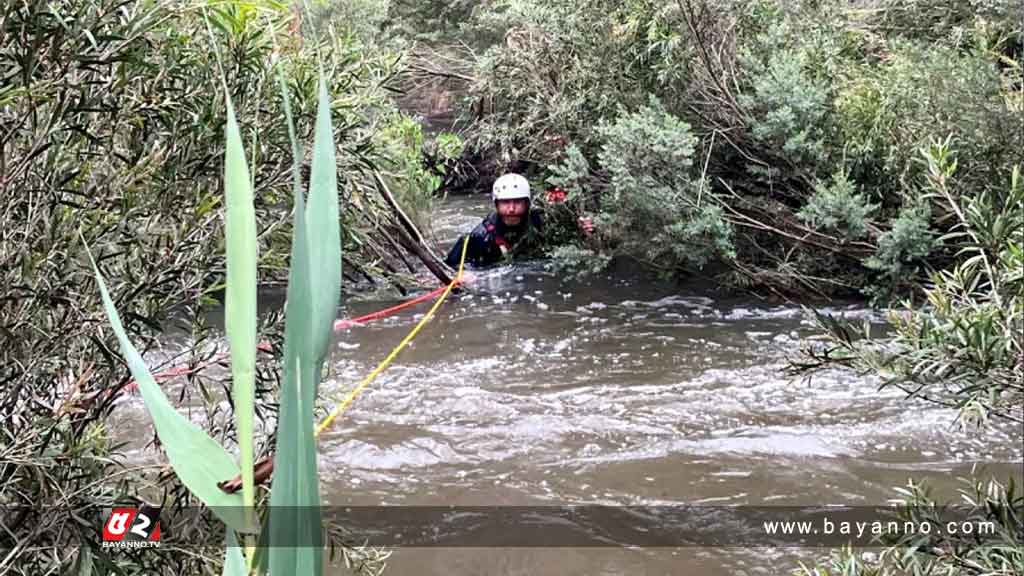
(513, 229)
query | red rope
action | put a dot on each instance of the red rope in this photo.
(342, 324)
(265, 346)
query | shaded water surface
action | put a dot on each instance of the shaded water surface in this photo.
(619, 390)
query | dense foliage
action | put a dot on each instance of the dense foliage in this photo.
(774, 144)
(112, 118)
(807, 119)
(964, 350)
(779, 145)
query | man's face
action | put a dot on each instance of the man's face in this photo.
(511, 212)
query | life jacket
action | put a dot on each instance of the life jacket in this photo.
(495, 236)
(495, 233)
(490, 243)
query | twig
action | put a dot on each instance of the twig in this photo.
(416, 244)
(705, 58)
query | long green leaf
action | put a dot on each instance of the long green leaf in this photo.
(295, 498)
(240, 305)
(322, 219)
(258, 563)
(234, 562)
(314, 284)
(297, 153)
(198, 460)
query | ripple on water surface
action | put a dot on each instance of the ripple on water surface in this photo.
(535, 390)
(685, 397)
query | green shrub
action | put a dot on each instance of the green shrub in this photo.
(569, 261)
(647, 148)
(890, 109)
(415, 165)
(412, 184)
(653, 208)
(702, 236)
(837, 207)
(575, 177)
(965, 349)
(788, 63)
(447, 145)
(947, 21)
(901, 251)
(941, 552)
(572, 173)
(358, 20)
(649, 203)
(449, 22)
(561, 69)
(790, 107)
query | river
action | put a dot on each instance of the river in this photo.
(617, 389)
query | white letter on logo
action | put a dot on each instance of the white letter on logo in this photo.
(118, 523)
(140, 527)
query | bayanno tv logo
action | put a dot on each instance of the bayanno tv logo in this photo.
(132, 528)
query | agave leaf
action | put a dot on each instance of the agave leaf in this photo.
(198, 460)
(322, 219)
(240, 305)
(85, 561)
(295, 498)
(234, 562)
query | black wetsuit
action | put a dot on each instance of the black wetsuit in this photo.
(491, 241)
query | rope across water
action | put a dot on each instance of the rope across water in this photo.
(338, 325)
(408, 338)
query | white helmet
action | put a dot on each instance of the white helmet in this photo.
(510, 187)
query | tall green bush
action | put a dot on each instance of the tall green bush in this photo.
(965, 348)
(414, 182)
(902, 251)
(654, 207)
(838, 207)
(560, 69)
(920, 92)
(787, 66)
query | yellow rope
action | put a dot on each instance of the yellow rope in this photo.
(384, 364)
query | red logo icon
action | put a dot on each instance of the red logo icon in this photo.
(132, 527)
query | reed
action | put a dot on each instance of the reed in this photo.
(314, 286)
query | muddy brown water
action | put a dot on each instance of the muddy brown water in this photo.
(619, 390)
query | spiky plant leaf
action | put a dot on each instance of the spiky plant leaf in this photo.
(240, 304)
(295, 498)
(322, 219)
(198, 460)
(314, 283)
